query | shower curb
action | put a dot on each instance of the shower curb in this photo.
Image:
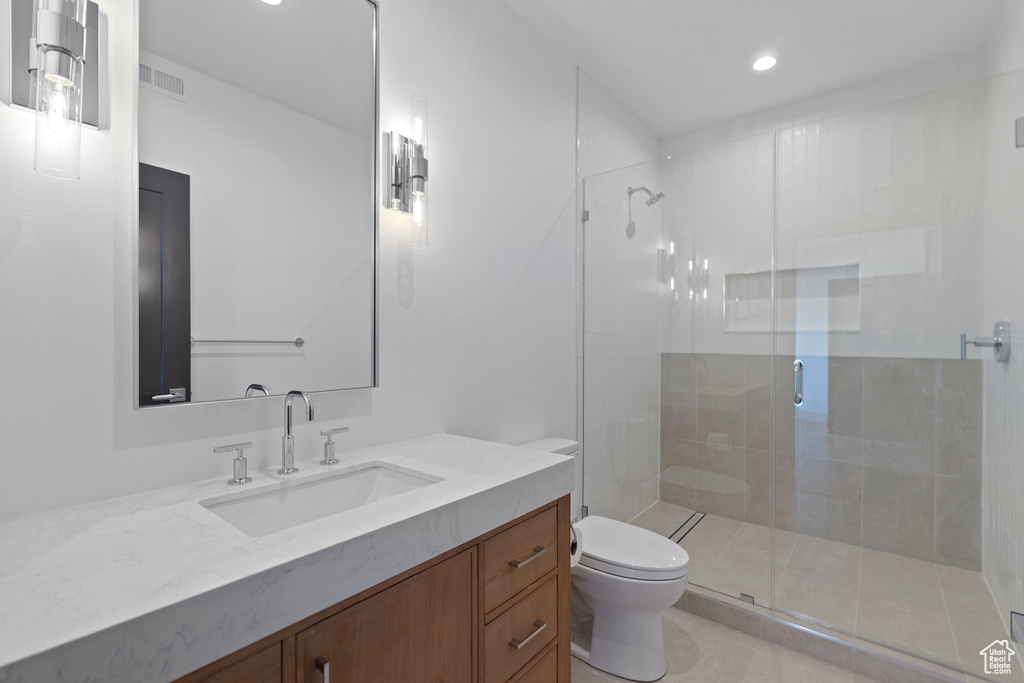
(813, 640)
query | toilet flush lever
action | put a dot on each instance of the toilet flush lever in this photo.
(537, 552)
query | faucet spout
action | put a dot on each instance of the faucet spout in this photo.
(288, 441)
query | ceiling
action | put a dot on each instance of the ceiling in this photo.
(680, 65)
(312, 56)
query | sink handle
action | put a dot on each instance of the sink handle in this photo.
(329, 458)
(241, 466)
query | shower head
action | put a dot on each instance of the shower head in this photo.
(652, 196)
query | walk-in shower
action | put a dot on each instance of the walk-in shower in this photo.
(856, 247)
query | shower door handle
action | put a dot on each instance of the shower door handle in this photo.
(798, 383)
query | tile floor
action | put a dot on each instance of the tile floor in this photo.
(943, 613)
(702, 651)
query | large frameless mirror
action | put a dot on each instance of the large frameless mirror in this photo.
(257, 230)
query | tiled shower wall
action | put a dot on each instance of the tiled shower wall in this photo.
(893, 464)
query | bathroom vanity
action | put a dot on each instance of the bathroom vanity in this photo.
(493, 609)
(463, 579)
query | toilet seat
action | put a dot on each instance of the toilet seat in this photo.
(629, 551)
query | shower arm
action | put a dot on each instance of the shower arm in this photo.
(631, 190)
(629, 204)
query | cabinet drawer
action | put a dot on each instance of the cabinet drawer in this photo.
(544, 670)
(535, 617)
(518, 545)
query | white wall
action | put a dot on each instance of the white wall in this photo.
(621, 356)
(280, 236)
(476, 332)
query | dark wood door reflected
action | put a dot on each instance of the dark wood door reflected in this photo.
(165, 356)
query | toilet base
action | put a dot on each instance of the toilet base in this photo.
(641, 657)
(625, 636)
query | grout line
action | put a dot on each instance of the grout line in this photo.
(646, 509)
(949, 623)
(860, 581)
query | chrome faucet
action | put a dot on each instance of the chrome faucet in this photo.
(288, 441)
(253, 388)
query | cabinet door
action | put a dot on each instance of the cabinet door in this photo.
(418, 631)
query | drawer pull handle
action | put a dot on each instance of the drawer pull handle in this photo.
(537, 552)
(520, 644)
(324, 667)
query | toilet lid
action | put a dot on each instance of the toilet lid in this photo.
(625, 550)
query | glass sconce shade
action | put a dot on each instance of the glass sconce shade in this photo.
(58, 116)
(59, 61)
(418, 116)
(419, 221)
(418, 167)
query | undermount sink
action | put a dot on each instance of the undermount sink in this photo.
(282, 506)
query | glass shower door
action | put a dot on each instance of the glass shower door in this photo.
(880, 229)
(676, 403)
(621, 341)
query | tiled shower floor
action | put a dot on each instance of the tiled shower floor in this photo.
(944, 613)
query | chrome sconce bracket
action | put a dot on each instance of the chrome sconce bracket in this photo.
(406, 172)
(61, 31)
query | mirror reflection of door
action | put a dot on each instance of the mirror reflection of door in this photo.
(164, 293)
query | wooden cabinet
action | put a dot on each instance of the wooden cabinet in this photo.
(544, 670)
(263, 666)
(515, 558)
(513, 638)
(493, 610)
(420, 630)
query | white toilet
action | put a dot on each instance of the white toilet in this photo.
(625, 577)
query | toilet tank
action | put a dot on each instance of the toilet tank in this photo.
(553, 445)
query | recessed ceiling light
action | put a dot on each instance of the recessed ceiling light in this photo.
(272, 2)
(763, 64)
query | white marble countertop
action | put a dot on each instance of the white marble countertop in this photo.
(150, 587)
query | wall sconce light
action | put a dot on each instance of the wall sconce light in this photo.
(51, 76)
(405, 174)
(697, 279)
(667, 269)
